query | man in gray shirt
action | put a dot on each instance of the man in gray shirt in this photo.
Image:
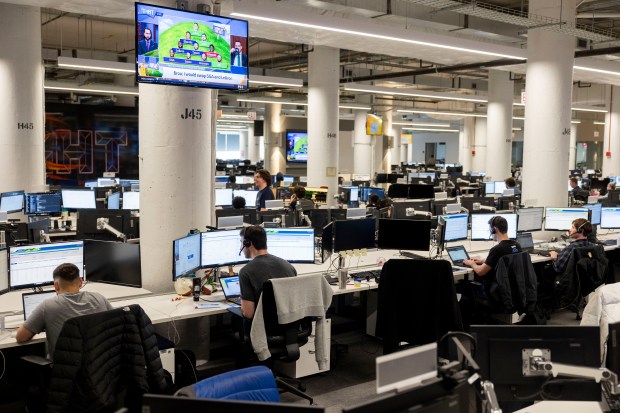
(263, 267)
(70, 302)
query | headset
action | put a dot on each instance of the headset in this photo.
(492, 226)
(580, 229)
(245, 243)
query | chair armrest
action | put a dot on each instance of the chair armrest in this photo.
(41, 361)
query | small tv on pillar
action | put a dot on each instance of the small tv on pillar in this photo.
(178, 47)
(297, 146)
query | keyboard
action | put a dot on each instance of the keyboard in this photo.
(373, 274)
(455, 269)
(610, 402)
(412, 255)
(608, 242)
(234, 300)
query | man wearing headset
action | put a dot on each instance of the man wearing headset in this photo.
(498, 226)
(262, 267)
(579, 231)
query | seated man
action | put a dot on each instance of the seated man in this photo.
(299, 197)
(238, 202)
(512, 184)
(372, 201)
(70, 302)
(578, 193)
(579, 231)
(262, 267)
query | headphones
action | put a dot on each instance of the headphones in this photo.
(492, 226)
(245, 243)
(580, 229)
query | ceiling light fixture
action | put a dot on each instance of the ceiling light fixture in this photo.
(92, 89)
(276, 81)
(590, 69)
(439, 125)
(432, 130)
(356, 87)
(430, 112)
(598, 123)
(92, 65)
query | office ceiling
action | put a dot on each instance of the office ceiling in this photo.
(104, 30)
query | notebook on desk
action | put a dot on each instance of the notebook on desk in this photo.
(32, 300)
(231, 289)
(457, 254)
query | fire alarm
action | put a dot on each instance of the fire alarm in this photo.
(608, 154)
(473, 151)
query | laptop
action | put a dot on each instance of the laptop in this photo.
(457, 254)
(231, 289)
(32, 300)
(526, 241)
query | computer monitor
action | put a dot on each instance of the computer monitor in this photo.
(248, 195)
(43, 203)
(480, 228)
(349, 194)
(249, 214)
(12, 201)
(468, 202)
(78, 198)
(356, 213)
(404, 234)
(113, 263)
(219, 248)
(186, 255)
(366, 191)
(561, 219)
(327, 241)
(595, 213)
(530, 219)
(119, 219)
(114, 200)
(131, 201)
(489, 187)
(34, 265)
(503, 353)
(454, 227)
(404, 210)
(398, 191)
(291, 244)
(500, 187)
(321, 217)
(610, 218)
(164, 404)
(421, 191)
(224, 196)
(36, 228)
(354, 234)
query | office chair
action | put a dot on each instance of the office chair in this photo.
(585, 271)
(417, 303)
(515, 287)
(284, 340)
(105, 361)
(602, 311)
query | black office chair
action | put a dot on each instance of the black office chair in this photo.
(585, 271)
(105, 361)
(417, 303)
(515, 288)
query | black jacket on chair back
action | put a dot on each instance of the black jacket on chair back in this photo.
(515, 285)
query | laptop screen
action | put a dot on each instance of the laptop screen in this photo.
(525, 240)
(230, 286)
(457, 254)
(32, 300)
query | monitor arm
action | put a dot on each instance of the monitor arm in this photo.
(537, 362)
(462, 181)
(104, 224)
(478, 207)
(411, 212)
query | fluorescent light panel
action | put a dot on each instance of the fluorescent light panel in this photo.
(430, 112)
(276, 81)
(92, 89)
(589, 69)
(300, 103)
(432, 130)
(355, 87)
(439, 125)
(598, 123)
(95, 65)
(234, 121)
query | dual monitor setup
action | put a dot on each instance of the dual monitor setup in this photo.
(219, 248)
(32, 266)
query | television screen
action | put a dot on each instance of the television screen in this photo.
(296, 146)
(178, 47)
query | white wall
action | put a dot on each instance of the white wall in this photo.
(451, 140)
(345, 152)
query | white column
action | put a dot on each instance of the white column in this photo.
(396, 151)
(410, 152)
(479, 144)
(572, 157)
(323, 81)
(499, 124)
(243, 142)
(465, 139)
(177, 166)
(611, 164)
(253, 146)
(548, 92)
(388, 141)
(22, 153)
(404, 148)
(274, 145)
(362, 149)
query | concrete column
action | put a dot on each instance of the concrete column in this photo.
(410, 153)
(22, 153)
(611, 164)
(499, 124)
(362, 146)
(388, 141)
(572, 157)
(404, 148)
(177, 166)
(479, 144)
(465, 138)
(548, 91)
(397, 145)
(274, 146)
(243, 143)
(253, 142)
(323, 82)
(378, 151)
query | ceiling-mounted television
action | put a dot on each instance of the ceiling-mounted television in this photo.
(178, 47)
(297, 146)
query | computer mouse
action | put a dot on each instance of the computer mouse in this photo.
(544, 254)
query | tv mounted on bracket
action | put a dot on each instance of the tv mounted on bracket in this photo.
(297, 146)
(177, 47)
